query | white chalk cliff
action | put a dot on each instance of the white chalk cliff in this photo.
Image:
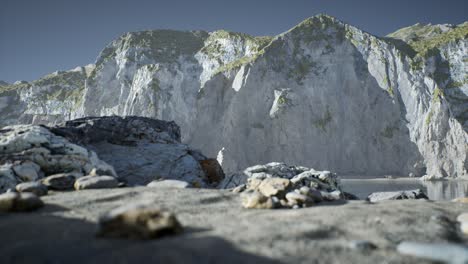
(323, 94)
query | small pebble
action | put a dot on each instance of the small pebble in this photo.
(362, 245)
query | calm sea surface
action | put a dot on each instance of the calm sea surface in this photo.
(435, 190)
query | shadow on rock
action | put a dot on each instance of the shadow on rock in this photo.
(36, 238)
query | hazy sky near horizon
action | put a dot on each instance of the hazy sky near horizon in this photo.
(38, 37)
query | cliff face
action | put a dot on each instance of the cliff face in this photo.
(323, 94)
(51, 99)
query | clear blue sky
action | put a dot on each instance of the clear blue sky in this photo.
(41, 36)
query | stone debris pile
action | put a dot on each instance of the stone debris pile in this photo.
(277, 185)
(30, 153)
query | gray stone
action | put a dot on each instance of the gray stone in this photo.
(323, 180)
(332, 196)
(362, 245)
(138, 221)
(444, 252)
(8, 178)
(61, 181)
(19, 202)
(37, 188)
(27, 171)
(169, 184)
(383, 196)
(313, 194)
(96, 182)
(272, 169)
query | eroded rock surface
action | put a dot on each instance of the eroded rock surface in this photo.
(142, 149)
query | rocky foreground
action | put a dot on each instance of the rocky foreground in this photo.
(218, 230)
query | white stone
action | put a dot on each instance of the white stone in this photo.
(169, 184)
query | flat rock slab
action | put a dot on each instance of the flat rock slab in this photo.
(444, 252)
(218, 230)
(400, 195)
(169, 184)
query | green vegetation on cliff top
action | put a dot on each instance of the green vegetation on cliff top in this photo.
(424, 40)
(62, 86)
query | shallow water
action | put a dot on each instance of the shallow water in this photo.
(435, 190)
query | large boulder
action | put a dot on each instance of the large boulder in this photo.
(30, 153)
(142, 149)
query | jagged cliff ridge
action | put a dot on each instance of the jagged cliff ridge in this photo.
(323, 94)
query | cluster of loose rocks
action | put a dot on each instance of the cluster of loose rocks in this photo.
(28, 192)
(30, 153)
(278, 185)
(35, 160)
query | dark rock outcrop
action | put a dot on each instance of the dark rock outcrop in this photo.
(142, 149)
